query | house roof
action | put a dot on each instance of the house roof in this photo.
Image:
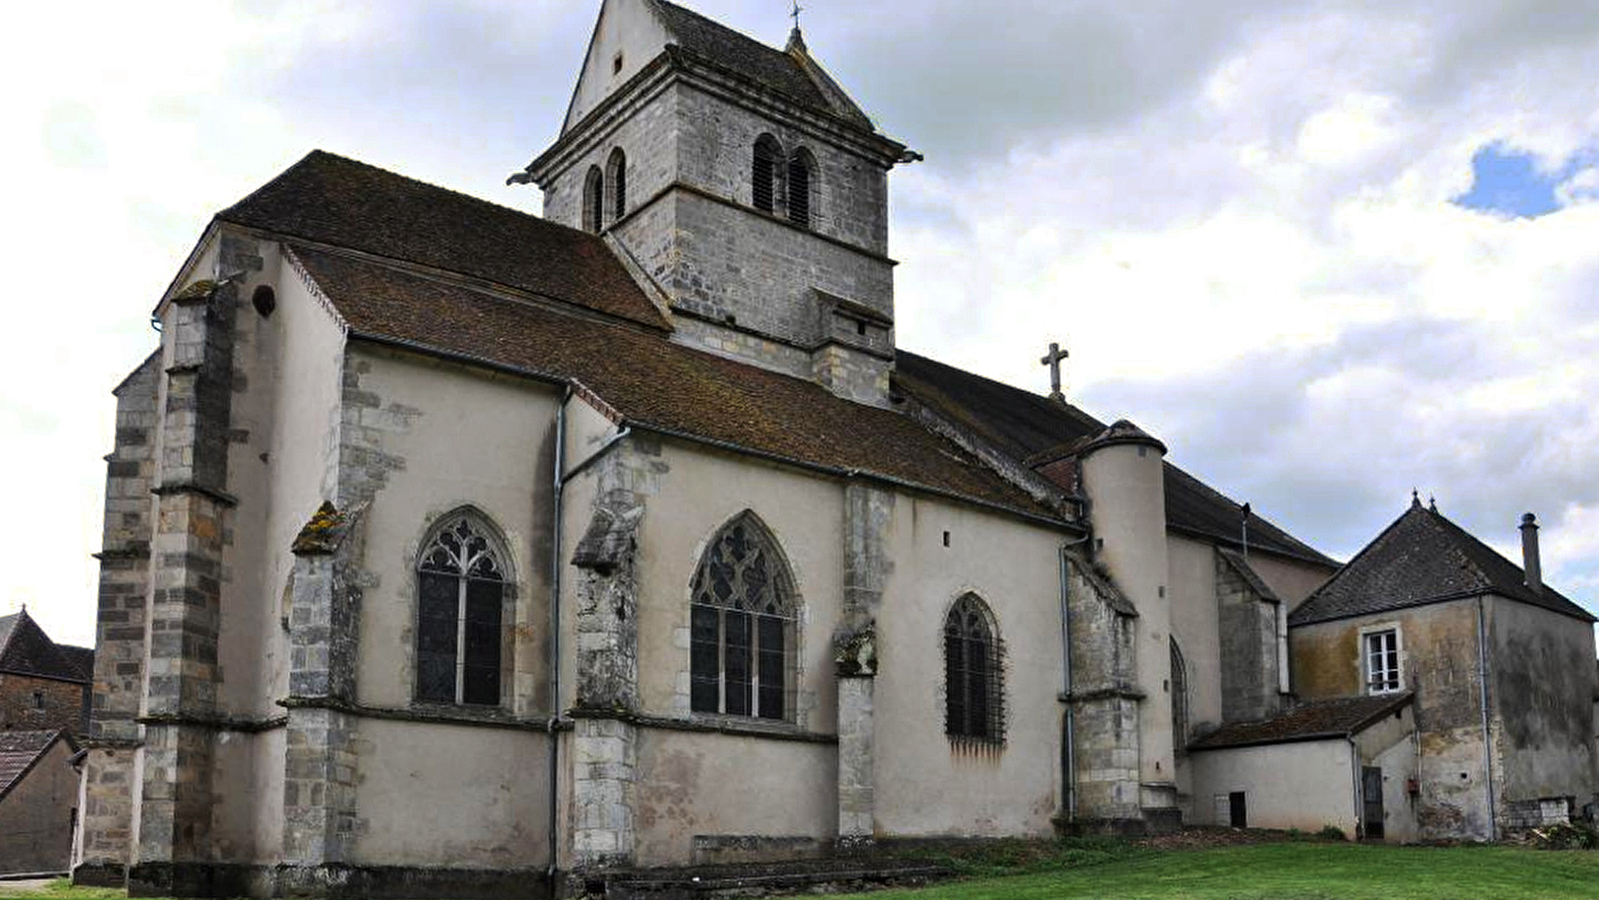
(776, 69)
(651, 381)
(1024, 424)
(1318, 720)
(328, 199)
(20, 750)
(1424, 558)
(26, 650)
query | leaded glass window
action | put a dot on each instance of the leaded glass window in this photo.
(461, 587)
(741, 624)
(973, 695)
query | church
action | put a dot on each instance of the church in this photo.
(451, 550)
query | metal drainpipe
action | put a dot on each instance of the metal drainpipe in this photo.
(1487, 737)
(1357, 787)
(555, 630)
(1069, 744)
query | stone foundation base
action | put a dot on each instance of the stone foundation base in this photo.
(110, 875)
(1117, 827)
(335, 881)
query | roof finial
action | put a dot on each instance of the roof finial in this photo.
(1052, 359)
(1415, 499)
(1432, 503)
(796, 41)
(795, 15)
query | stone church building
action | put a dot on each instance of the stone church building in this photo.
(449, 549)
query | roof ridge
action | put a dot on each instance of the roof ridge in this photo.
(1310, 601)
(678, 7)
(362, 164)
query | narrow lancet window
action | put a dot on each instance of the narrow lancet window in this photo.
(973, 691)
(765, 172)
(594, 200)
(800, 175)
(616, 171)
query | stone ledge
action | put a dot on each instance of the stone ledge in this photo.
(1124, 692)
(214, 722)
(430, 714)
(718, 725)
(189, 487)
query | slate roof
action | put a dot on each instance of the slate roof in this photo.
(1024, 424)
(1423, 558)
(1319, 720)
(771, 67)
(26, 650)
(651, 381)
(20, 750)
(329, 199)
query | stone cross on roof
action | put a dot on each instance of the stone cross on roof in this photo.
(1053, 359)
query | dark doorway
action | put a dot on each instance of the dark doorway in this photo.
(1239, 816)
(1371, 799)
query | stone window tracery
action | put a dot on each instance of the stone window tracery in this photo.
(461, 590)
(974, 704)
(742, 626)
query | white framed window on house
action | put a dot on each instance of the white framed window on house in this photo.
(1381, 654)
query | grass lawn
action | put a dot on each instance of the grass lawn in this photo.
(1296, 871)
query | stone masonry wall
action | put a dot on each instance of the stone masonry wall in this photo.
(40, 704)
(109, 778)
(1248, 630)
(1105, 702)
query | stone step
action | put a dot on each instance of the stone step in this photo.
(763, 879)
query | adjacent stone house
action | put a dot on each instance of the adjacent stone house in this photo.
(450, 551)
(44, 686)
(38, 801)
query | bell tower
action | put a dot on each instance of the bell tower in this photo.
(742, 184)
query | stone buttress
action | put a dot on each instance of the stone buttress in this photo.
(109, 784)
(184, 612)
(868, 513)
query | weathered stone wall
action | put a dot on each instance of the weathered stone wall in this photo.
(41, 704)
(1438, 661)
(37, 816)
(1541, 690)
(1106, 700)
(1247, 623)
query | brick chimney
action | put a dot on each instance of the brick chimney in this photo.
(1529, 553)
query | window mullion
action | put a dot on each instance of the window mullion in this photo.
(721, 660)
(460, 640)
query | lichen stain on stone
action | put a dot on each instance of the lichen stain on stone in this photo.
(322, 533)
(198, 290)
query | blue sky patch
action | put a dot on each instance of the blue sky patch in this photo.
(1508, 182)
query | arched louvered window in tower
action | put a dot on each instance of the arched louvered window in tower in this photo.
(616, 172)
(974, 696)
(1179, 698)
(801, 178)
(594, 200)
(462, 585)
(766, 173)
(742, 625)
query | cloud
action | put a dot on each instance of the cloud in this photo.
(1237, 214)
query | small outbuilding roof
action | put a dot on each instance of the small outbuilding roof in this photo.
(21, 750)
(1424, 558)
(1319, 720)
(26, 650)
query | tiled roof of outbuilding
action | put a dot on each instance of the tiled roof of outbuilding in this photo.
(26, 650)
(652, 381)
(1024, 424)
(1423, 558)
(19, 750)
(329, 199)
(1319, 720)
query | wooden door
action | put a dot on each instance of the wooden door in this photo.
(1371, 799)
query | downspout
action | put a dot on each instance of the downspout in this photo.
(557, 482)
(1487, 737)
(1355, 787)
(1069, 742)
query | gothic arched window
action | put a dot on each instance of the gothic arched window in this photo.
(801, 178)
(616, 171)
(742, 625)
(462, 584)
(766, 173)
(974, 697)
(1179, 699)
(594, 200)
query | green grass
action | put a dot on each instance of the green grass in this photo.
(62, 889)
(1293, 871)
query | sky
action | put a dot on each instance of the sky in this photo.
(1329, 252)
